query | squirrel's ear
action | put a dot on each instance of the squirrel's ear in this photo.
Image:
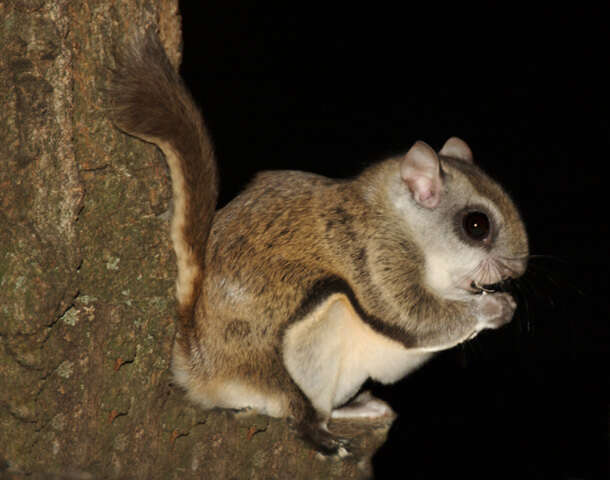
(420, 169)
(457, 148)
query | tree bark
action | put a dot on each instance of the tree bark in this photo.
(87, 276)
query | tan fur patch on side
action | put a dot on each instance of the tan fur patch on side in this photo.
(332, 351)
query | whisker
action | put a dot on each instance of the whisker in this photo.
(559, 283)
(549, 257)
(468, 275)
(537, 290)
(498, 266)
(491, 268)
(517, 256)
(523, 301)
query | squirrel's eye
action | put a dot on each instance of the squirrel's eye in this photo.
(476, 225)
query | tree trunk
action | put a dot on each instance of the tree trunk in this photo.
(87, 276)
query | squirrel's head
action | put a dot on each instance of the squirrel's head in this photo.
(468, 230)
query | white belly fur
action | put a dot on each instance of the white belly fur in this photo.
(332, 352)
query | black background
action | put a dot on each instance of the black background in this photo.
(332, 89)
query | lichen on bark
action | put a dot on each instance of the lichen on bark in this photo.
(87, 276)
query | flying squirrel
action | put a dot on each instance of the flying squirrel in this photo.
(303, 287)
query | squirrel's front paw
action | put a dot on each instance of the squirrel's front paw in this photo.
(494, 310)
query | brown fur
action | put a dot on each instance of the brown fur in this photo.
(273, 256)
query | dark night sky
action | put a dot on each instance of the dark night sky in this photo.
(331, 90)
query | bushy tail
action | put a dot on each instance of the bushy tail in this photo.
(148, 100)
